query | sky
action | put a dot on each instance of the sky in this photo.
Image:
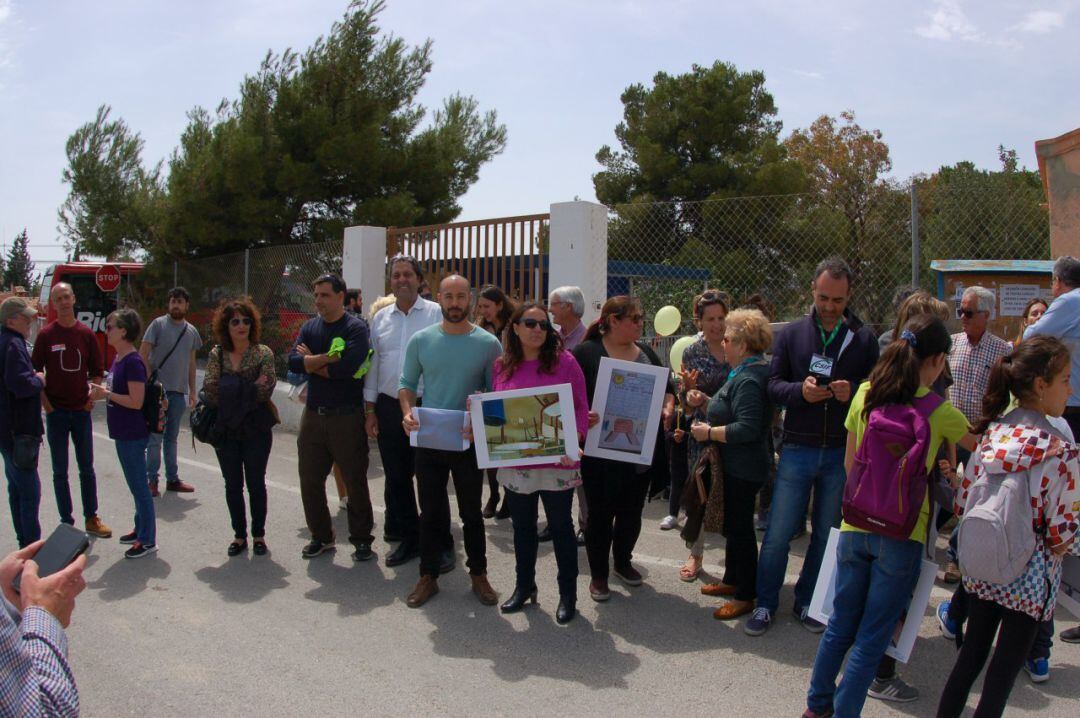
(944, 80)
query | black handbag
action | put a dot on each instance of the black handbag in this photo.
(25, 452)
(155, 403)
(203, 420)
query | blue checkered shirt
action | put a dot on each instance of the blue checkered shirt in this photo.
(35, 679)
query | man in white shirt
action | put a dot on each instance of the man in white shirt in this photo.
(391, 329)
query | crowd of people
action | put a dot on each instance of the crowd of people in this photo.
(756, 430)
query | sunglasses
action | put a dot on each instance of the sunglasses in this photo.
(635, 318)
(237, 321)
(966, 313)
(531, 323)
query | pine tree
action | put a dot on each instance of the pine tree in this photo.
(19, 271)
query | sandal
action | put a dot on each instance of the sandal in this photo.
(733, 609)
(688, 572)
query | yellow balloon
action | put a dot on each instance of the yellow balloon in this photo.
(667, 320)
(677, 350)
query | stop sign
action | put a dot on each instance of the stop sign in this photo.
(107, 277)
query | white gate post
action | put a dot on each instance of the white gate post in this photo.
(363, 262)
(577, 256)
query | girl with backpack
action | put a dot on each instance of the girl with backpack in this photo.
(893, 417)
(1012, 569)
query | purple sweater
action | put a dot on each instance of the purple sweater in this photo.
(567, 371)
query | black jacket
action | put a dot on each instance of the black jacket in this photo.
(20, 393)
(855, 351)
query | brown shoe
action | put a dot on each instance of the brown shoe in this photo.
(179, 486)
(952, 573)
(483, 590)
(97, 527)
(733, 609)
(718, 589)
(598, 590)
(425, 588)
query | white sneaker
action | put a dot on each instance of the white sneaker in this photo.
(669, 522)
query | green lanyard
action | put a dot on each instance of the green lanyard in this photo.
(824, 341)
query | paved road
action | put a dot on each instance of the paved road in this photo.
(190, 632)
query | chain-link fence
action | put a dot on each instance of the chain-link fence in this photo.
(278, 280)
(665, 253)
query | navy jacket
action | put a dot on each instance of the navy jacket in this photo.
(20, 398)
(855, 351)
(341, 389)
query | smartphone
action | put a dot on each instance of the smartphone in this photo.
(65, 545)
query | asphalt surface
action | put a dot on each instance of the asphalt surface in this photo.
(190, 632)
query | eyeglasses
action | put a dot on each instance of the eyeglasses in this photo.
(237, 321)
(967, 313)
(531, 323)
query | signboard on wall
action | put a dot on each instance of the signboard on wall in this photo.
(1014, 297)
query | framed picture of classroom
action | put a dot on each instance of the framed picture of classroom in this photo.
(524, 427)
(628, 397)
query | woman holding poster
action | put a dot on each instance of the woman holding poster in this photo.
(616, 490)
(534, 357)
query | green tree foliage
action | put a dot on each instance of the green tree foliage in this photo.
(113, 203)
(316, 141)
(711, 133)
(968, 213)
(863, 214)
(19, 270)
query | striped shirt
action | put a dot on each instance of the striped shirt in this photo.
(35, 679)
(970, 365)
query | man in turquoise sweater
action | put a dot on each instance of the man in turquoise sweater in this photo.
(455, 359)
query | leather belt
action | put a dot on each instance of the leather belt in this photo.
(336, 410)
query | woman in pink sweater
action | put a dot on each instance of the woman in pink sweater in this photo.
(534, 357)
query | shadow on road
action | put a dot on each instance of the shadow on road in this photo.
(578, 652)
(172, 508)
(128, 577)
(245, 579)
(356, 589)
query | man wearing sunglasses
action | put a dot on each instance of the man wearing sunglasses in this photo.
(974, 352)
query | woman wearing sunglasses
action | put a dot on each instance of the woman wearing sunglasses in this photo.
(239, 382)
(616, 490)
(534, 357)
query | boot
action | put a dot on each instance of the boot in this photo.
(483, 590)
(425, 588)
(566, 611)
(518, 599)
(490, 507)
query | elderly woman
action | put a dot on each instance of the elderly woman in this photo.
(124, 394)
(239, 381)
(740, 419)
(534, 357)
(616, 490)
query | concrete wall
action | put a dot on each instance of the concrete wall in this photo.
(1059, 165)
(364, 262)
(578, 253)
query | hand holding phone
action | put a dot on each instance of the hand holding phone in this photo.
(56, 593)
(61, 548)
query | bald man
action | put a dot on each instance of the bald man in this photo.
(455, 359)
(69, 354)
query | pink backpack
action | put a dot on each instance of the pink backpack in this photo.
(886, 487)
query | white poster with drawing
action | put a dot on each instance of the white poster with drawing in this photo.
(907, 628)
(628, 397)
(1014, 297)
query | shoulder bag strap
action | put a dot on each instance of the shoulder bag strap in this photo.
(183, 333)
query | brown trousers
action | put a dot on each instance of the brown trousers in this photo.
(324, 441)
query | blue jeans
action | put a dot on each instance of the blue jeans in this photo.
(24, 496)
(173, 415)
(875, 576)
(59, 424)
(801, 468)
(132, 455)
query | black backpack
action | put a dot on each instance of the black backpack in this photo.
(156, 404)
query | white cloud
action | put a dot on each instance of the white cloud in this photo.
(809, 73)
(947, 22)
(1041, 22)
